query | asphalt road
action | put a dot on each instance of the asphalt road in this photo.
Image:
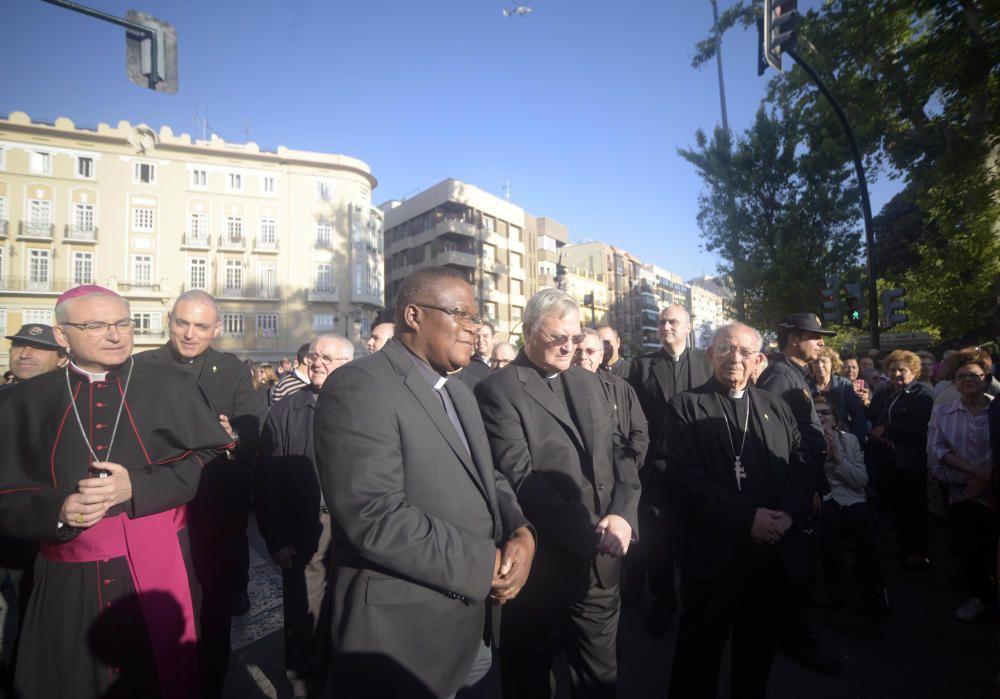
(920, 652)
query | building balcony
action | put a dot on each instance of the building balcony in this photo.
(146, 335)
(36, 231)
(454, 227)
(260, 245)
(35, 285)
(257, 292)
(232, 242)
(324, 242)
(139, 288)
(199, 241)
(76, 234)
(322, 295)
(456, 259)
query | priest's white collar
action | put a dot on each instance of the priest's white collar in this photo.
(91, 376)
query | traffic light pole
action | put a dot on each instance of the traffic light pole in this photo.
(862, 185)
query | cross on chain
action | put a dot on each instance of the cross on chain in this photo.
(740, 473)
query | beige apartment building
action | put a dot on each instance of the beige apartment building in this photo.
(493, 242)
(287, 241)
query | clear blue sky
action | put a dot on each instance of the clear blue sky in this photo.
(580, 105)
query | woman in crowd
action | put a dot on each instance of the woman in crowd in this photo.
(827, 382)
(959, 441)
(900, 412)
(846, 515)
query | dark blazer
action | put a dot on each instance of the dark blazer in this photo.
(566, 479)
(713, 517)
(286, 483)
(416, 524)
(627, 413)
(906, 415)
(472, 374)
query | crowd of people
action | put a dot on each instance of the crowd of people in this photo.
(416, 496)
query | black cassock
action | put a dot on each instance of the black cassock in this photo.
(86, 632)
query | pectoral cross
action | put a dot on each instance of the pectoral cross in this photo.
(740, 473)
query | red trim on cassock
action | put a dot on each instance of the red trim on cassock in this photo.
(62, 423)
(135, 430)
(17, 490)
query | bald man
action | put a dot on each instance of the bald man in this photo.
(381, 334)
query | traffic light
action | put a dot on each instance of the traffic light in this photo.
(151, 61)
(893, 305)
(781, 22)
(831, 300)
(855, 304)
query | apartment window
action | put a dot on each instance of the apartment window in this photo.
(234, 275)
(515, 233)
(489, 252)
(324, 321)
(515, 260)
(516, 288)
(324, 233)
(198, 228)
(83, 217)
(83, 268)
(197, 273)
(489, 281)
(3, 267)
(3, 321)
(143, 218)
(267, 279)
(547, 243)
(36, 315)
(232, 325)
(490, 310)
(515, 314)
(547, 269)
(3, 213)
(324, 190)
(39, 268)
(267, 184)
(142, 270)
(147, 322)
(267, 325)
(144, 173)
(85, 167)
(235, 182)
(3, 157)
(199, 178)
(489, 224)
(324, 277)
(39, 217)
(268, 232)
(234, 229)
(40, 162)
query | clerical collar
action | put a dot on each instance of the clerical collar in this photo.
(724, 390)
(179, 358)
(541, 372)
(671, 355)
(91, 376)
(737, 394)
(426, 372)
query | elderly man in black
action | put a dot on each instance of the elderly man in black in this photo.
(729, 454)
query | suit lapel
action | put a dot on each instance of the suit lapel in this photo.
(468, 414)
(579, 402)
(660, 370)
(534, 386)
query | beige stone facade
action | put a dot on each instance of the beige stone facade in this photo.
(287, 241)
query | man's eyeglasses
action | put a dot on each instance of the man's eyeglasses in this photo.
(456, 313)
(499, 363)
(326, 359)
(824, 412)
(725, 350)
(591, 350)
(96, 328)
(970, 376)
(560, 340)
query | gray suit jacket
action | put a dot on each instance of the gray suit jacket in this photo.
(417, 520)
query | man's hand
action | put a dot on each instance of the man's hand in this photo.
(283, 557)
(224, 422)
(769, 525)
(616, 535)
(513, 564)
(115, 488)
(83, 511)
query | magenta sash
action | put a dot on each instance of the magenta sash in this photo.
(156, 565)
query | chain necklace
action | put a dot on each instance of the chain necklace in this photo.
(79, 422)
(738, 469)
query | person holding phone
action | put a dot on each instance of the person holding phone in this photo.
(839, 393)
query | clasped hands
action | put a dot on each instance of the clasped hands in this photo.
(95, 496)
(512, 565)
(616, 535)
(769, 526)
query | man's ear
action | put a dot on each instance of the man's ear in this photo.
(411, 316)
(60, 337)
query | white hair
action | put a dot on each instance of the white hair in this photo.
(548, 302)
(62, 308)
(342, 342)
(738, 327)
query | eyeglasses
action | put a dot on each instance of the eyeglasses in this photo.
(824, 412)
(560, 340)
(971, 376)
(499, 363)
(95, 328)
(725, 350)
(591, 350)
(456, 313)
(326, 359)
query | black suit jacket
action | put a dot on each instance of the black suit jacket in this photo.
(416, 519)
(566, 478)
(286, 488)
(713, 517)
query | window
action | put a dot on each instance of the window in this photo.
(36, 315)
(199, 178)
(3, 215)
(234, 229)
(232, 325)
(235, 182)
(267, 325)
(267, 184)
(142, 270)
(83, 217)
(515, 233)
(489, 252)
(3, 321)
(515, 260)
(489, 281)
(324, 190)
(267, 279)
(547, 243)
(547, 269)
(490, 310)
(39, 217)
(144, 173)
(143, 218)
(515, 314)
(147, 323)
(85, 167)
(40, 162)
(197, 273)
(39, 268)
(3, 157)
(324, 277)
(234, 275)
(324, 233)
(268, 236)
(516, 288)
(3, 269)
(324, 321)
(83, 268)
(198, 228)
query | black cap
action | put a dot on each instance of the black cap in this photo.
(37, 335)
(803, 321)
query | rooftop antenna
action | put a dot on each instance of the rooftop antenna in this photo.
(506, 190)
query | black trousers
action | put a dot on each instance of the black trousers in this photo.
(744, 602)
(973, 540)
(906, 491)
(652, 560)
(532, 634)
(854, 523)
